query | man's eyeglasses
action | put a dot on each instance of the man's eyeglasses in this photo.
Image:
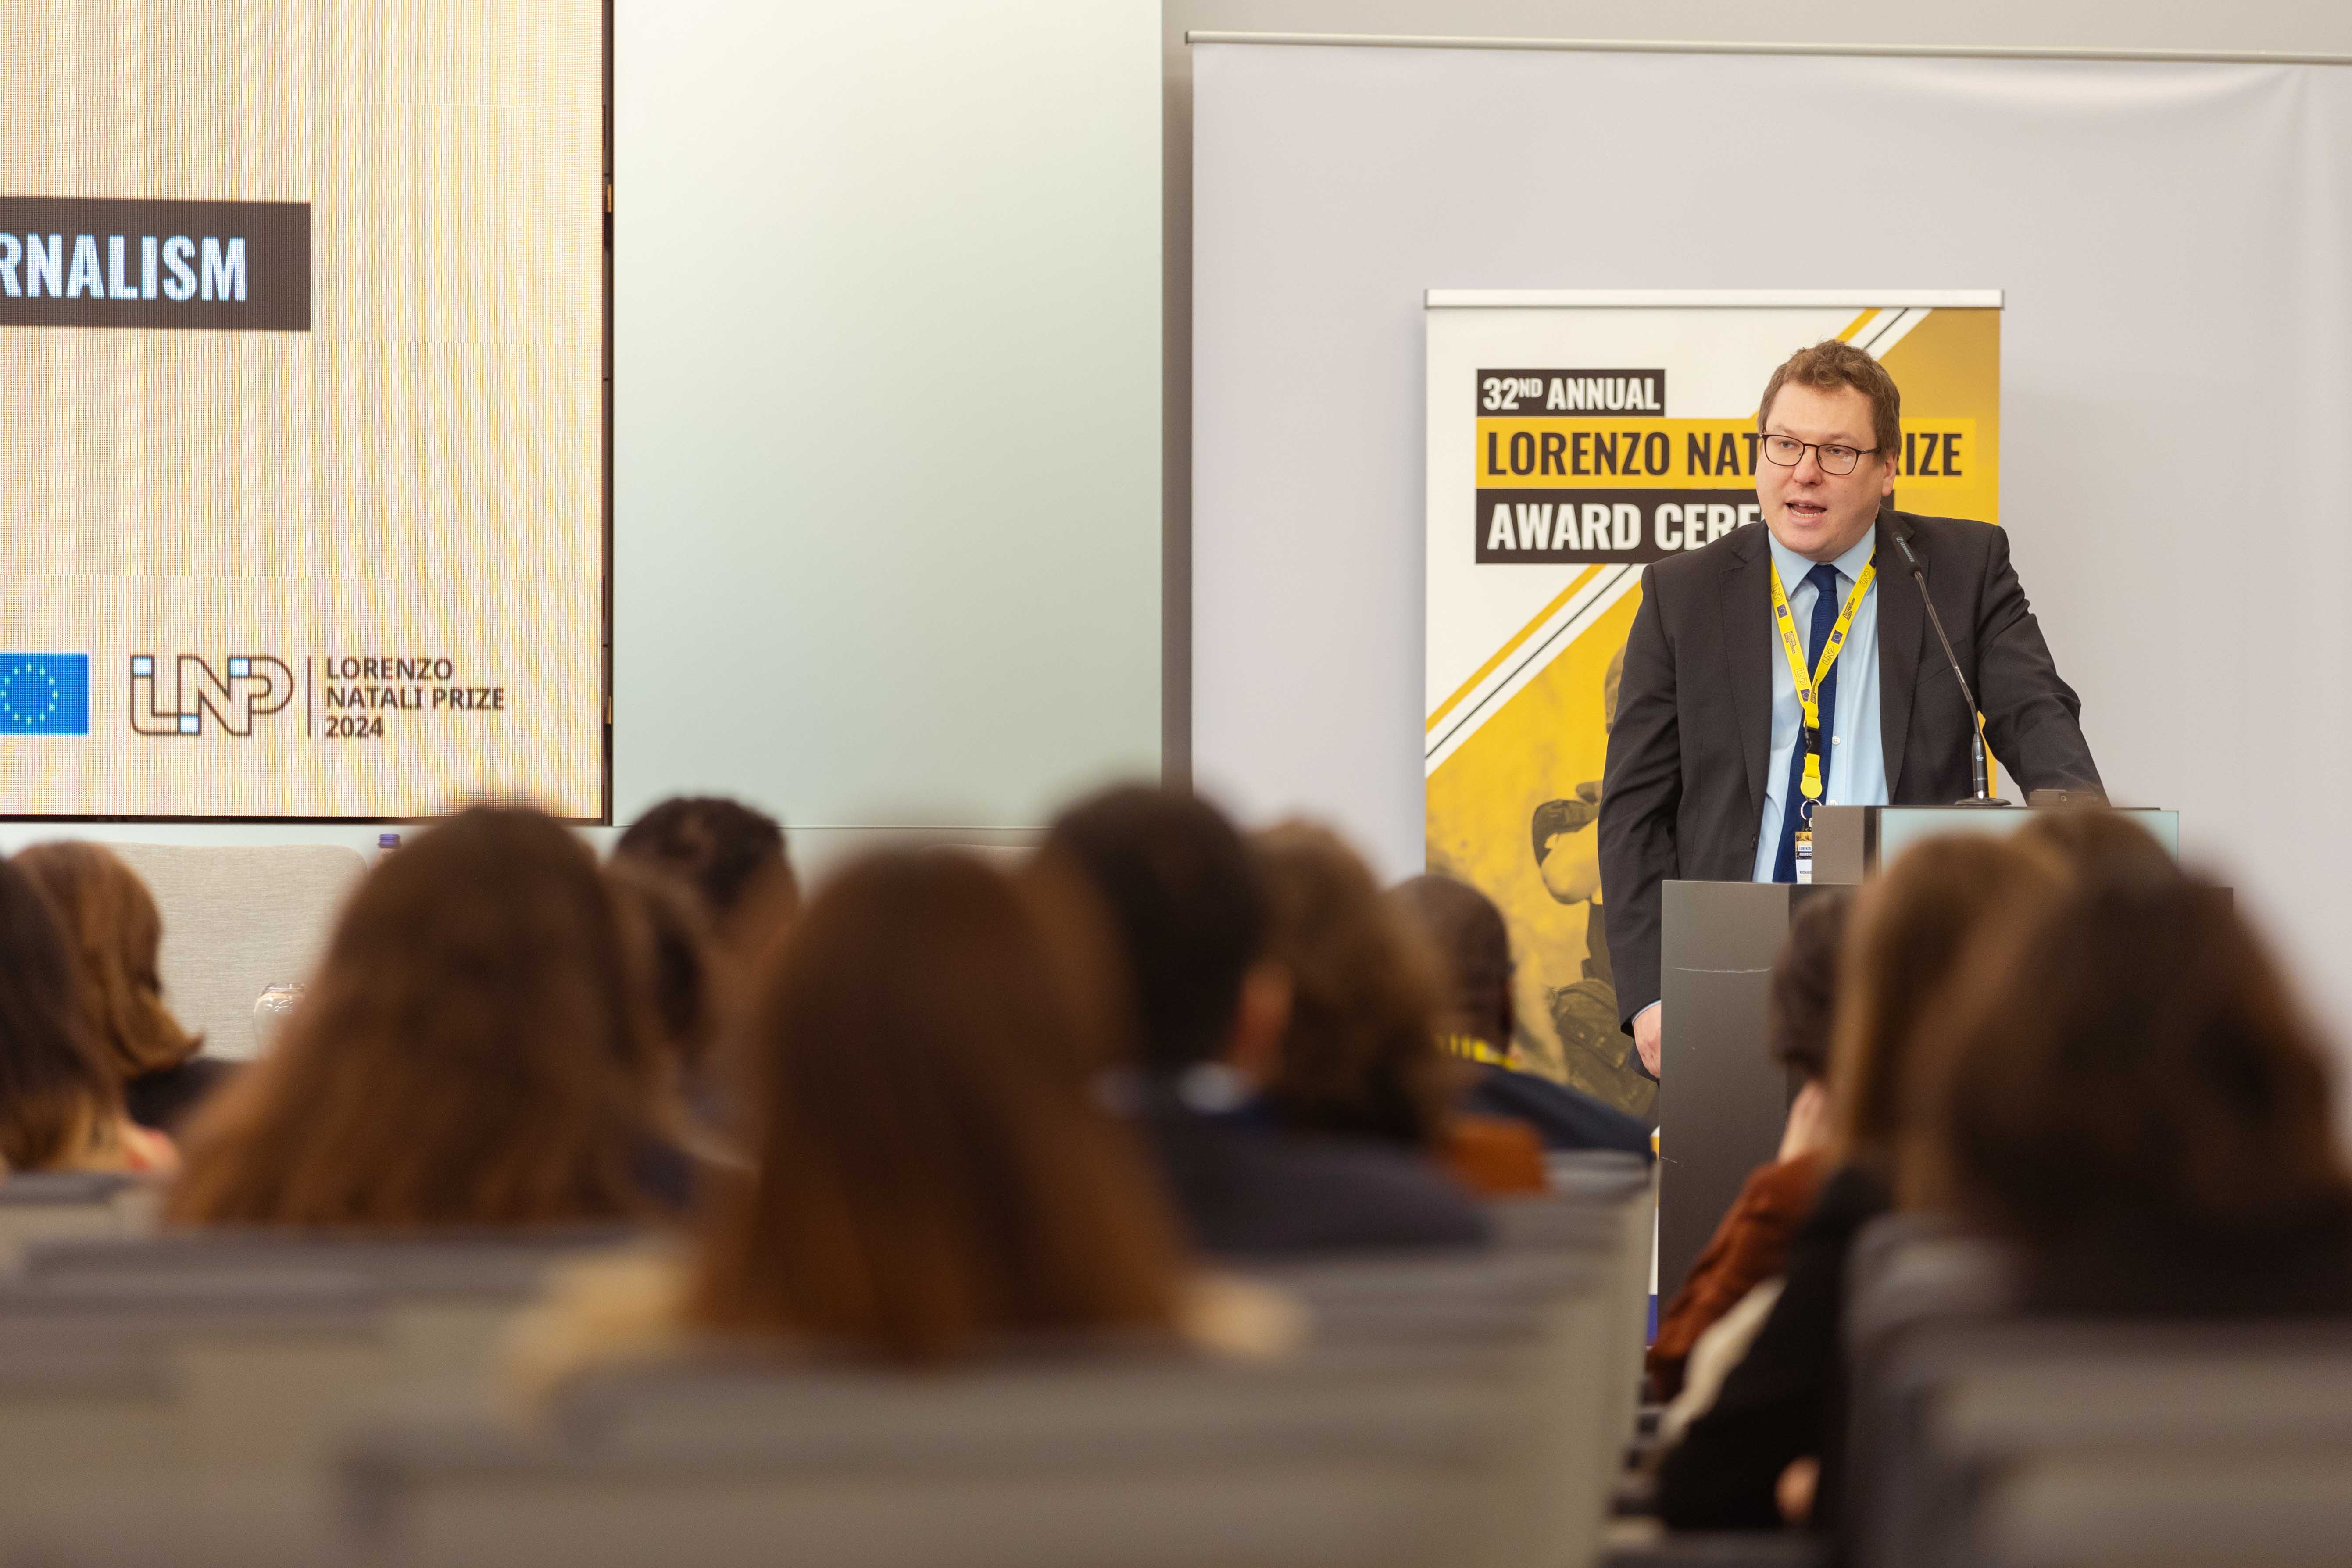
(1788, 451)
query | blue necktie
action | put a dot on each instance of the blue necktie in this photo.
(1825, 581)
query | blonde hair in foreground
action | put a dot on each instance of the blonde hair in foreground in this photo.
(471, 1053)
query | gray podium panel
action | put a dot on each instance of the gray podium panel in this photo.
(1722, 1101)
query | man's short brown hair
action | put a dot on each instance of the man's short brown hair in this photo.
(1831, 363)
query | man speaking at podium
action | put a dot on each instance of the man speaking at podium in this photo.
(1791, 662)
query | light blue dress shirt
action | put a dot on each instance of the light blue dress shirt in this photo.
(1855, 768)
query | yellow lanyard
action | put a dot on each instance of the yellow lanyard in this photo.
(1475, 1050)
(1784, 621)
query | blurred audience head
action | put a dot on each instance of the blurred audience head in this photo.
(932, 1177)
(732, 857)
(110, 923)
(1473, 945)
(59, 1099)
(1187, 908)
(1909, 929)
(668, 941)
(2126, 1068)
(2101, 847)
(471, 1051)
(1801, 1007)
(1360, 1056)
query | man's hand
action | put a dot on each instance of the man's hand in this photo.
(1647, 1036)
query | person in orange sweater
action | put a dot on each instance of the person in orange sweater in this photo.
(1751, 1244)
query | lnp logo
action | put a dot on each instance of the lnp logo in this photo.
(256, 683)
(44, 694)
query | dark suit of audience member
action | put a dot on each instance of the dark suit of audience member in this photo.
(1187, 904)
(1473, 942)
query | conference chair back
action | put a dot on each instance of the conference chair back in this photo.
(1907, 1274)
(1153, 1461)
(446, 1299)
(122, 1386)
(38, 1206)
(2033, 1441)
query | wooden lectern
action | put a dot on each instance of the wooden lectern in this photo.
(1721, 1099)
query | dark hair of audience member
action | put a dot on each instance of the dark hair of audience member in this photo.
(2123, 1078)
(731, 855)
(109, 920)
(932, 1177)
(1187, 907)
(472, 1051)
(56, 1093)
(1909, 928)
(668, 939)
(1469, 935)
(1800, 1008)
(1360, 1056)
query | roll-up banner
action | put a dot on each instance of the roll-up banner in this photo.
(1574, 438)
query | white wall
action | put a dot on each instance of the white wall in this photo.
(886, 404)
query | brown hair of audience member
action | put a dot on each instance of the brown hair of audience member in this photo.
(1800, 1008)
(932, 1177)
(2127, 1065)
(1909, 929)
(668, 940)
(471, 1052)
(1360, 1056)
(2102, 847)
(1468, 935)
(110, 922)
(1831, 363)
(57, 1094)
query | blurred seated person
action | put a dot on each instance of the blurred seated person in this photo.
(674, 967)
(934, 1185)
(1769, 1451)
(1360, 1057)
(472, 1052)
(60, 1101)
(116, 933)
(1480, 1020)
(733, 859)
(1751, 1244)
(1188, 906)
(2129, 1089)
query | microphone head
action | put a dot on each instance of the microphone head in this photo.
(1910, 558)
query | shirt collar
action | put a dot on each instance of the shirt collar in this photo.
(1793, 566)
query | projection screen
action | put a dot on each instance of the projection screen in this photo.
(2171, 238)
(301, 408)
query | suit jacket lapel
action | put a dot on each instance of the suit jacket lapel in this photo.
(1748, 647)
(1902, 631)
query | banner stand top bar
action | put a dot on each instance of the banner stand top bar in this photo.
(1691, 47)
(1700, 299)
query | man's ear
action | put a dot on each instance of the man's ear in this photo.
(1894, 461)
(1260, 1020)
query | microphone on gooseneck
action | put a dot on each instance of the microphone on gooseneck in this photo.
(1983, 796)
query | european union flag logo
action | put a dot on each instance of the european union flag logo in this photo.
(44, 694)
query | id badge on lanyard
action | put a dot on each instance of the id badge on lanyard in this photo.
(1809, 682)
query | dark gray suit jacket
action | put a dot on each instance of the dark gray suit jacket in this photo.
(1683, 795)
